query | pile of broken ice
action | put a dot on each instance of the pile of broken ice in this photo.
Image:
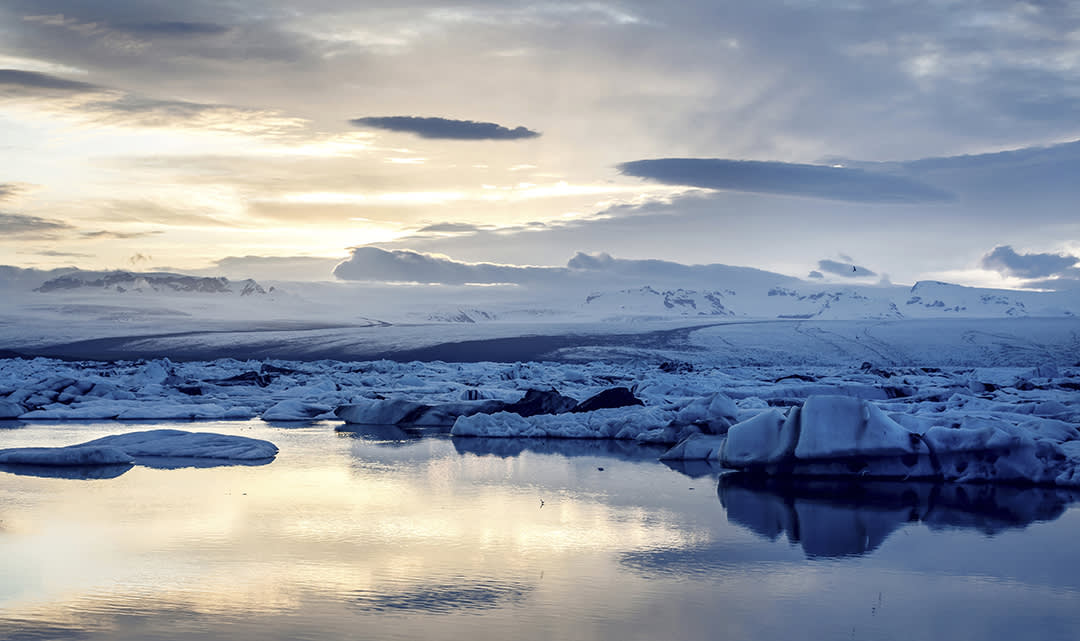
(964, 424)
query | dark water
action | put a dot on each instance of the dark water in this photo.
(383, 533)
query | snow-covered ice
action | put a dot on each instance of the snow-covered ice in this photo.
(137, 446)
(843, 436)
(1029, 406)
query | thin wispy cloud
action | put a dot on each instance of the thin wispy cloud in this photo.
(445, 128)
(100, 105)
(846, 270)
(178, 28)
(30, 226)
(107, 234)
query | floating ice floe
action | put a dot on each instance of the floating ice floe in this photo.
(138, 446)
(847, 437)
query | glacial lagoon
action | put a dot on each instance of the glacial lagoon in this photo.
(389, 533)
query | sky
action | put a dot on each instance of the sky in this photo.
(909, 140)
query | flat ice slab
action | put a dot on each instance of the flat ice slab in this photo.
(132, 447)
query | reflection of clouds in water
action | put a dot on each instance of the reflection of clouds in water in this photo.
(443, 598)
(354, 518)
(841, 518)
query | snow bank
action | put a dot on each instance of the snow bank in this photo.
(128, 448)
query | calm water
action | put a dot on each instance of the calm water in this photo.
(384, 534)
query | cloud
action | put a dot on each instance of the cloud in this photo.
(374, 264)
(847, 270)
(445, 128)
(117, 235)
(30, 226)
(14, 81)
(1004, 260)
(815, 274)
(648, 271)
(449, 227)
(60, 254)
(11, 191)
(176, 28)
(100, 105)
(786, 179)
(591, 270)
(301, 268)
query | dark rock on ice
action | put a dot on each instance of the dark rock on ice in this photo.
(607, 399)
(541, 402)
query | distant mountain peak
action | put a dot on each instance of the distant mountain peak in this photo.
(122, 281)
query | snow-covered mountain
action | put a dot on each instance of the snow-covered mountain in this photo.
(927, 299)
(734, 294)
(158, 282)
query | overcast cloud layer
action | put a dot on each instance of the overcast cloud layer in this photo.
(914, 137)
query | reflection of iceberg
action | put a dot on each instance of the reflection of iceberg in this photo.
(839, 518)
(693, 468)
(511, 447)
(386, 434)
(79, 472)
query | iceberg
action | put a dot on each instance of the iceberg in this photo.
(136, 446)
(841, 436)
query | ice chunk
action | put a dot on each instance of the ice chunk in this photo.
(389, 411)
(396, 411)
(714, 413)
(695, 447)
(294, 410)
(181, 444)
(73, 455)
(840, 426)
(152, 444)
(619, 423)
(766, 438)
(10, 409)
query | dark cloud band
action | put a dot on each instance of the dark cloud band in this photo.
(1006, 261)
(787, 179)
(445, 128)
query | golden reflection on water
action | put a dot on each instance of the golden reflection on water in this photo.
(256, 539)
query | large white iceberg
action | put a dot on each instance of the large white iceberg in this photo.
(843, 436)
(132, 447)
